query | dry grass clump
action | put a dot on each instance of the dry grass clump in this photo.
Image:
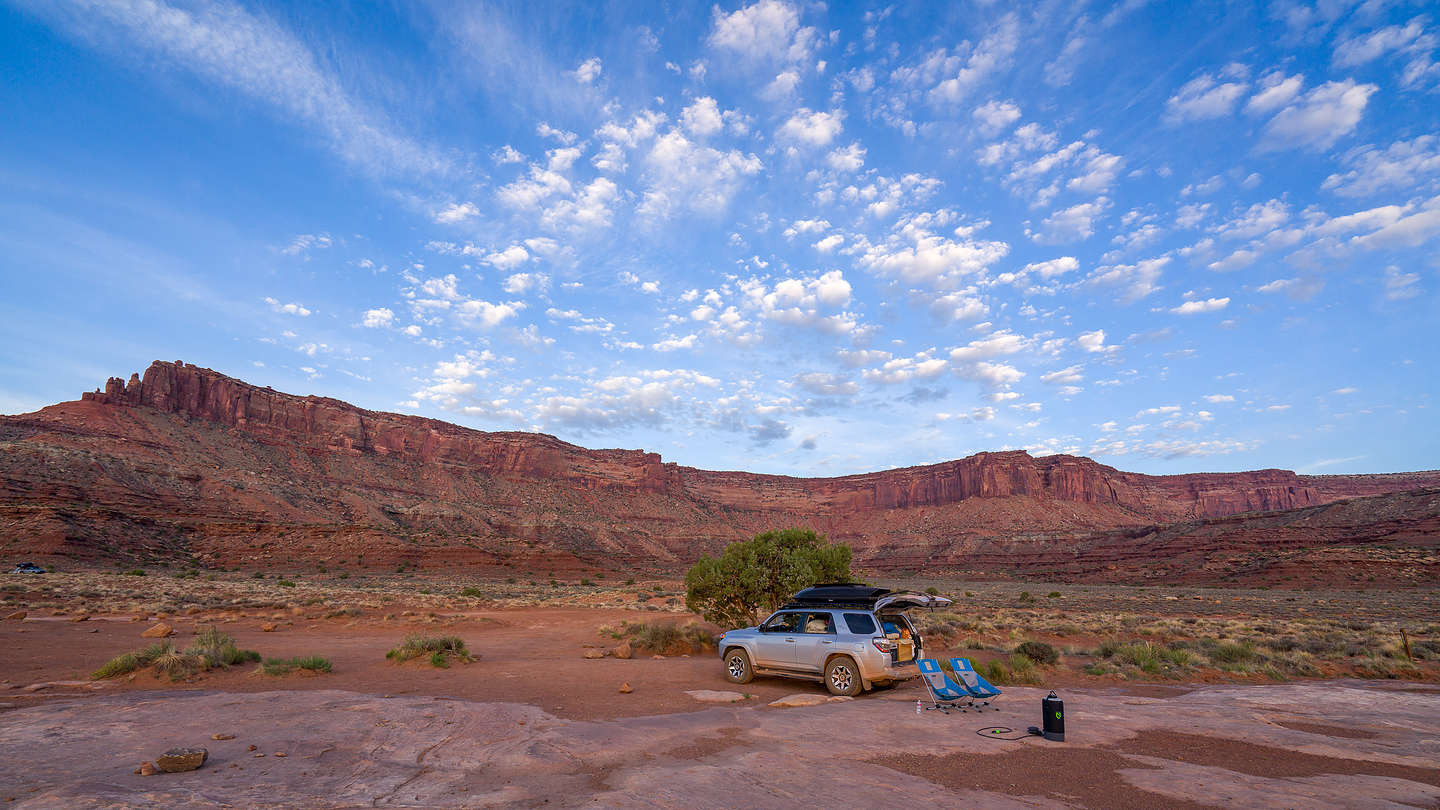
(284, 666)
(1016, 669)
(211, 649)
(440, 649)
(666, 638)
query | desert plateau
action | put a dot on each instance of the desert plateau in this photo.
(1277, 638)
(767, 404)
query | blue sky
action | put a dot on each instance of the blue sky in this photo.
(777, 237)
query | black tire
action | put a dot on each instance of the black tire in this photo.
(737, 666)
(842, 676)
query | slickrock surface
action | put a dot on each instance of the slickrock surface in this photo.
(1237, 746)
(190, 463)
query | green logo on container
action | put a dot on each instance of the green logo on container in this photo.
(1057, 715)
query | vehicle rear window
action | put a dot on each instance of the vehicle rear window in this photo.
(860, 623)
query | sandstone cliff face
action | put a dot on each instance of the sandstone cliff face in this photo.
(330, 425)
(185, 460)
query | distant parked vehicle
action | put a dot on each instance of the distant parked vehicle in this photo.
(850, 637)
(27, 568)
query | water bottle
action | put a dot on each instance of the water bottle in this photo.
(917, 705)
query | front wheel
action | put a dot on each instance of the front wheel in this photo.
(842, 677)
(737, 667)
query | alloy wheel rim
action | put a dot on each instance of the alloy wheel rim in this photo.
(737, 667)
(840, 677)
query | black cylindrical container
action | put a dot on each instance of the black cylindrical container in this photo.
(1053, 710)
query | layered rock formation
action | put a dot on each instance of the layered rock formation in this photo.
(187, 461)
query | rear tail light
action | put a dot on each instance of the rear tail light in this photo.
(884, 645)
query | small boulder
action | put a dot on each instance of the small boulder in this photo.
(801, 699)
(625, 688)
(158, 630)
(83, 617)
(714, 696)
(657, 657)
(267, 627)
(147, 769)
(16, 616)
(179, 760)
(222, 736)
(623, 650)
(593, 654)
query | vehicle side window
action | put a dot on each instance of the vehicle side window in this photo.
(819, 623)
(783, 623)
(860, 623)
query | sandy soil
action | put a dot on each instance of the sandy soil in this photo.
(533, 724)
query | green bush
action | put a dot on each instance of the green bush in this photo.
(760, 574)
(1039, 652)
(933, 591)
(284, 666)
(1017, 669)
(135, 572)
(471, 590)
(1026, 597)
(1232, 652)
(216, 649)
(415, 646)
(285, 583)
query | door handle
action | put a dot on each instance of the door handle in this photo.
(827, 642)
(789, 641)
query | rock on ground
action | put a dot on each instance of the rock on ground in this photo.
(801, 699)
(715, 696)
(158, 630)
(179, 760)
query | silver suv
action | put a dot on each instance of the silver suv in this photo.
(850, 637)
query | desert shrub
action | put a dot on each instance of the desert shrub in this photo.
(344, 612)
(1292, 662)
(1053, 595)
(415, 646)
(210, 650)
(1152, 659)
(1285, 644)
(1026, 597)
(122, 664)
(760, 574)
(1377, 667)
(471, 590)
(437, 659)
(1232, 652)
(933, 591)
(668, 639)
(1017, 669)
(284, 666)
(178, 665)
(1039, 652)
(216, 649)
(135, 572)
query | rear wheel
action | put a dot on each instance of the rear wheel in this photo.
(737, 666)
(842, 677)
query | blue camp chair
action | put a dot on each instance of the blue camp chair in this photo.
(973, 682)
(944, 693)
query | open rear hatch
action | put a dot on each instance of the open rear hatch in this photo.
(898, 627)
(905, 600)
